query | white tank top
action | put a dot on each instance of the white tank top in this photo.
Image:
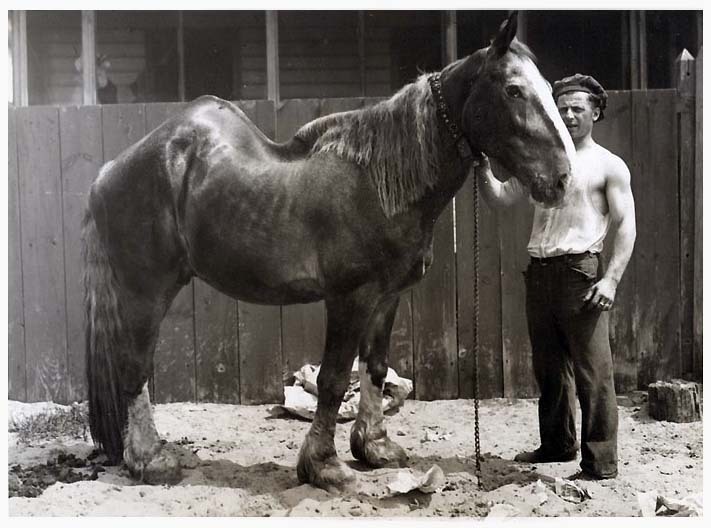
(575, 227)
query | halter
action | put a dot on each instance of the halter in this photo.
(460, 140)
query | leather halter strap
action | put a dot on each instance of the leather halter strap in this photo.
(463, 148)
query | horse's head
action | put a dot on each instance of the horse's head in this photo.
(508, 112)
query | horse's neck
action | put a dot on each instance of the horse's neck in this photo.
(399, 143)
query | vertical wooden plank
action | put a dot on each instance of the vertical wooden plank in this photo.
(82, 156)
(685, 72)
(122, 126)
(657, 264)
(260, 327)
(174, 365)
(698, 221)
(434, 319)
(615, 133)
(16, 366)
(303, 325)
(489, 353)
(42, 253)
(217, 345)
(514, 231)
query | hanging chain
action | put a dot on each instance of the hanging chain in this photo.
(475, 242)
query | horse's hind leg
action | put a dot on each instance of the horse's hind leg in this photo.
(369, 439)
(318, 462)
(124, 310)
(143, 449)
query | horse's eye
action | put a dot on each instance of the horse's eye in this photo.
(513, 91)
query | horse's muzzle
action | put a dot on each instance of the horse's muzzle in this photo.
(547, 193)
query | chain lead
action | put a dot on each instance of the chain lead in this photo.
(475, 242)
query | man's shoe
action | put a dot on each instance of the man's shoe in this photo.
(540, 457)
(587, 475)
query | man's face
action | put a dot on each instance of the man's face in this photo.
(578, 113)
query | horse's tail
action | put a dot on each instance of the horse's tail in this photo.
(105, 337)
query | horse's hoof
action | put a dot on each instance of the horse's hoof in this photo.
(332, 474)
(162, 468)
(378, 452)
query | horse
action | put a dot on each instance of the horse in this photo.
(344, 212)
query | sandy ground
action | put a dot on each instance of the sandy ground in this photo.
(240, 461)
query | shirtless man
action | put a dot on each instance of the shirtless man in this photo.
(567, 300)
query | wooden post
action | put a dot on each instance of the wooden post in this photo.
(20, 95)
(449, 37)
(273, 56)
(361, 53)
(522, 29)
(684, 73)
(88, 56)
(181, 56)
(638, 50)
(698, 223)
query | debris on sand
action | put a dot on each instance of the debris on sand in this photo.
(503, 509)
(300, 399)
(652, 504)
(541, 492)
(569, 491)
(407, 480)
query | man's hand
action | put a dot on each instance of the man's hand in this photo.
(602, 294)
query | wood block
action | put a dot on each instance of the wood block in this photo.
(674, 401)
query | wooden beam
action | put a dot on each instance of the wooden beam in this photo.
(181, 56)
(272, 56)
(522, 29)
(638, 50)
(684, 78)
(88, 57)
(449, 37)
(361, 52)
(20, 91)
(698, 222)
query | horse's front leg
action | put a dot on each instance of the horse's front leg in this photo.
(369, 438)
(318, 462)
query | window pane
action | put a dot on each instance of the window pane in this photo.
(137, 56)
(225, 54)
(318, 54)
(53, 45)
(399, 46)
(668, 34)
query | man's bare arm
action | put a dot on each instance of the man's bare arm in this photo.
(497, 193)
(622, 216)
(624, 231)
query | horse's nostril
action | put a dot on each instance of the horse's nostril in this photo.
(563, 180)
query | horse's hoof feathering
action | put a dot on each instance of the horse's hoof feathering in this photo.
(376, 452)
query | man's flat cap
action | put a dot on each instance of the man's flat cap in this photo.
(582, 83)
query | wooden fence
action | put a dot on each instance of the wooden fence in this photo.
(215, 349)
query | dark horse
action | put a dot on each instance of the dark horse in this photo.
(344, 211)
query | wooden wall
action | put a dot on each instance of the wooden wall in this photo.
(215, 349)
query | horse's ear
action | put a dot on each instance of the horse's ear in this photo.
(506, 34)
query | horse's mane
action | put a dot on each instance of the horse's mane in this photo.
(396, 142)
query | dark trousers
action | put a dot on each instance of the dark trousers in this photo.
(571, 349)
